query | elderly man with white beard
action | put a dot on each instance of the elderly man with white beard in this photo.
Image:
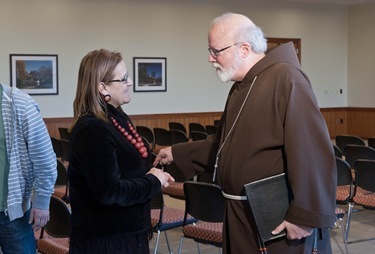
(271, 124)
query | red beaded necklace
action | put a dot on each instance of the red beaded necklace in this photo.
(136, 140)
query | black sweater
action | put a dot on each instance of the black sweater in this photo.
(109, 189)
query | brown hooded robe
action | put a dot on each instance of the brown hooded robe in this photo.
(280, 129)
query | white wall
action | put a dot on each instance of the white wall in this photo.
(173, 29)
(361, 77)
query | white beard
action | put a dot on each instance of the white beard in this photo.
(226, 75)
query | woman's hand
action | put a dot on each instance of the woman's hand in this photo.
(164, 177)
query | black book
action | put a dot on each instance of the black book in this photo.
(269, 202)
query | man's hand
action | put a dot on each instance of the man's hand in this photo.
(39, 217)
(164, 157)
(293, 231)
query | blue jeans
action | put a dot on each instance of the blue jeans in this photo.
(17, 236)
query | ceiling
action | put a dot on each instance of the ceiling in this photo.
(338, 2)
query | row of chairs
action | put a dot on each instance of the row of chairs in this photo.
(358, 191)
(201, 220)
(355, 152)
(347, 193)
(355, 162)
(343, 140)
(209, 129)
(161, 137)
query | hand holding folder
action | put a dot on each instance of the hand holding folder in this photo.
(269, 201)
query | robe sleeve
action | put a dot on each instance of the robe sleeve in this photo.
(194, 158)
(310, 161)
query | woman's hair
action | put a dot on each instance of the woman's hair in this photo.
(97, 66)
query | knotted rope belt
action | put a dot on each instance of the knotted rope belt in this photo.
(234, 197)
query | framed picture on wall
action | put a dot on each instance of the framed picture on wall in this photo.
(34, 74)
(150, 74)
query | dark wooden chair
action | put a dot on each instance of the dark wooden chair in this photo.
(343, 140)
(175, 189)
(148, 134)
(196, 127)
(198, 135)
(178, 136)
(164, 218)
(364, 190)
(371, 142)
(337, 151)
(64, 133)
(205, 202)
(344, 194)
(57, 148)
(177, 126)
(211, 129)
(355, 152)
(162, 138)
(62, 184)
(65, 149)
(54, 236)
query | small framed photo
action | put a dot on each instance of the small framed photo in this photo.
(34, 74)
(150, 74)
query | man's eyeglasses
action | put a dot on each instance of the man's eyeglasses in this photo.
(124, 80)
(216, 52)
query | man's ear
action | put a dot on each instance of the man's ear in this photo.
(245, 50)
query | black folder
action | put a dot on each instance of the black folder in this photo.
(269, 202)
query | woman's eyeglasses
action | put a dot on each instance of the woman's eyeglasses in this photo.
(124, 80)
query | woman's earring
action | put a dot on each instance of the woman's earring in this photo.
(107, 97)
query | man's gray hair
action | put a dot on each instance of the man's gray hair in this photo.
(248, 32)
(254, 36)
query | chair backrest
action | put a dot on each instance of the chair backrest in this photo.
(365, 174)
(196, 127)
(204, 201)
(157, 202)
(371, 142)
(206, 177)
(65, 148)
(57, 148)
(343, 140)
(62, 174)
(177, 126)
(64, 134)
(178, 136)
(355, 152)
(211, 129)
(337, 151)
(173, 171)
(162, 137)
(147, 133)
(344, 174)
(344, 191)
(198, 135)
(59, 222)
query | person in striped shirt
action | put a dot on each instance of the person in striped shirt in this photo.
(27, 171)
